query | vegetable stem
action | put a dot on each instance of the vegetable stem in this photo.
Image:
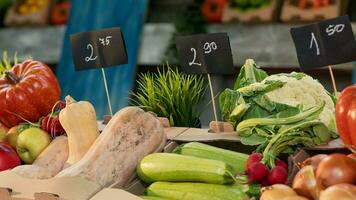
(12, 78)
(279, 121)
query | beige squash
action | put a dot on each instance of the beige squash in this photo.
(49, 162)
(79, 121)
(129, 136)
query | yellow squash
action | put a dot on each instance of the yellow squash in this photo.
(79, 121)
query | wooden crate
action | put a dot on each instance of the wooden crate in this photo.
(5, 194)
(268, 13)
(40, 18)
(292, 13)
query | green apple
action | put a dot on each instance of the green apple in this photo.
(3, 131)
(30, 143)
(11, 136)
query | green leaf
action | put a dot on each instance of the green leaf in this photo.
(265, 103)
(281, 121)
(260, 88)
(256, 111)
(322, 132)
(250, 73)
(24, 126)
(228, 100)
(253, 140)
(239, 110)
(287, 111)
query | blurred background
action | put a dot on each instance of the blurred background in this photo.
(258, 29)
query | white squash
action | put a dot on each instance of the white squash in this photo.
(129, 136)
(48, 163)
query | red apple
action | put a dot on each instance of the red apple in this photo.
(8, 157)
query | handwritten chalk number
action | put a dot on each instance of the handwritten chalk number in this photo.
(103, 41)
(313, 41)
(332, 29)
(208, 48)
(90, 58)
(194, 58)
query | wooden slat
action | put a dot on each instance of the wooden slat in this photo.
(198, 134)
(173, 132)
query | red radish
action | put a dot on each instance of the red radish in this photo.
(281, 163)
(278, 175)
(264, 182)
(253, 158)
(45, 123)
(56, 126)
(257, 172)
(61, 105)
(52, 125)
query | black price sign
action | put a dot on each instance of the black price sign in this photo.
(97, 49)
(205, 53)
(325, 43)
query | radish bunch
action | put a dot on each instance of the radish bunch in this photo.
(259, 172)
(51, 124)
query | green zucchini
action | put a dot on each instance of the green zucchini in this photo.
(237, 161)
(154, 198)
(196, 191)
(181, 168)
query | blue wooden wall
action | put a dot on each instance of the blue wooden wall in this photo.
(89, 15)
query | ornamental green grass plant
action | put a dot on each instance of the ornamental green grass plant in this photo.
(172, 94)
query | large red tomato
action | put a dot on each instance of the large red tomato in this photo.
(346, 116)
(27, 92)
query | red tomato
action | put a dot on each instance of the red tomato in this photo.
(346, 116)
(27, 92)
(60, 13)
(213, 10)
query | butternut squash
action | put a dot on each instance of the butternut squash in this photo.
(48, 163)
(79, 121)
(129, 136)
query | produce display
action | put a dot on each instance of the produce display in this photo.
(49, 162)
(322, 177)
(278, 112)
(30, 6)
(235, 160)
(249, 4)
(43, 138)
(62, 139)
(29, 90)
(130, 135)
(214, 174)
(308, 4)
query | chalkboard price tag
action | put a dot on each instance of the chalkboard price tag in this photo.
(98, 49)
(205, 54)
(325, 43)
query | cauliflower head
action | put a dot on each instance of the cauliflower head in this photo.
(301, 89)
